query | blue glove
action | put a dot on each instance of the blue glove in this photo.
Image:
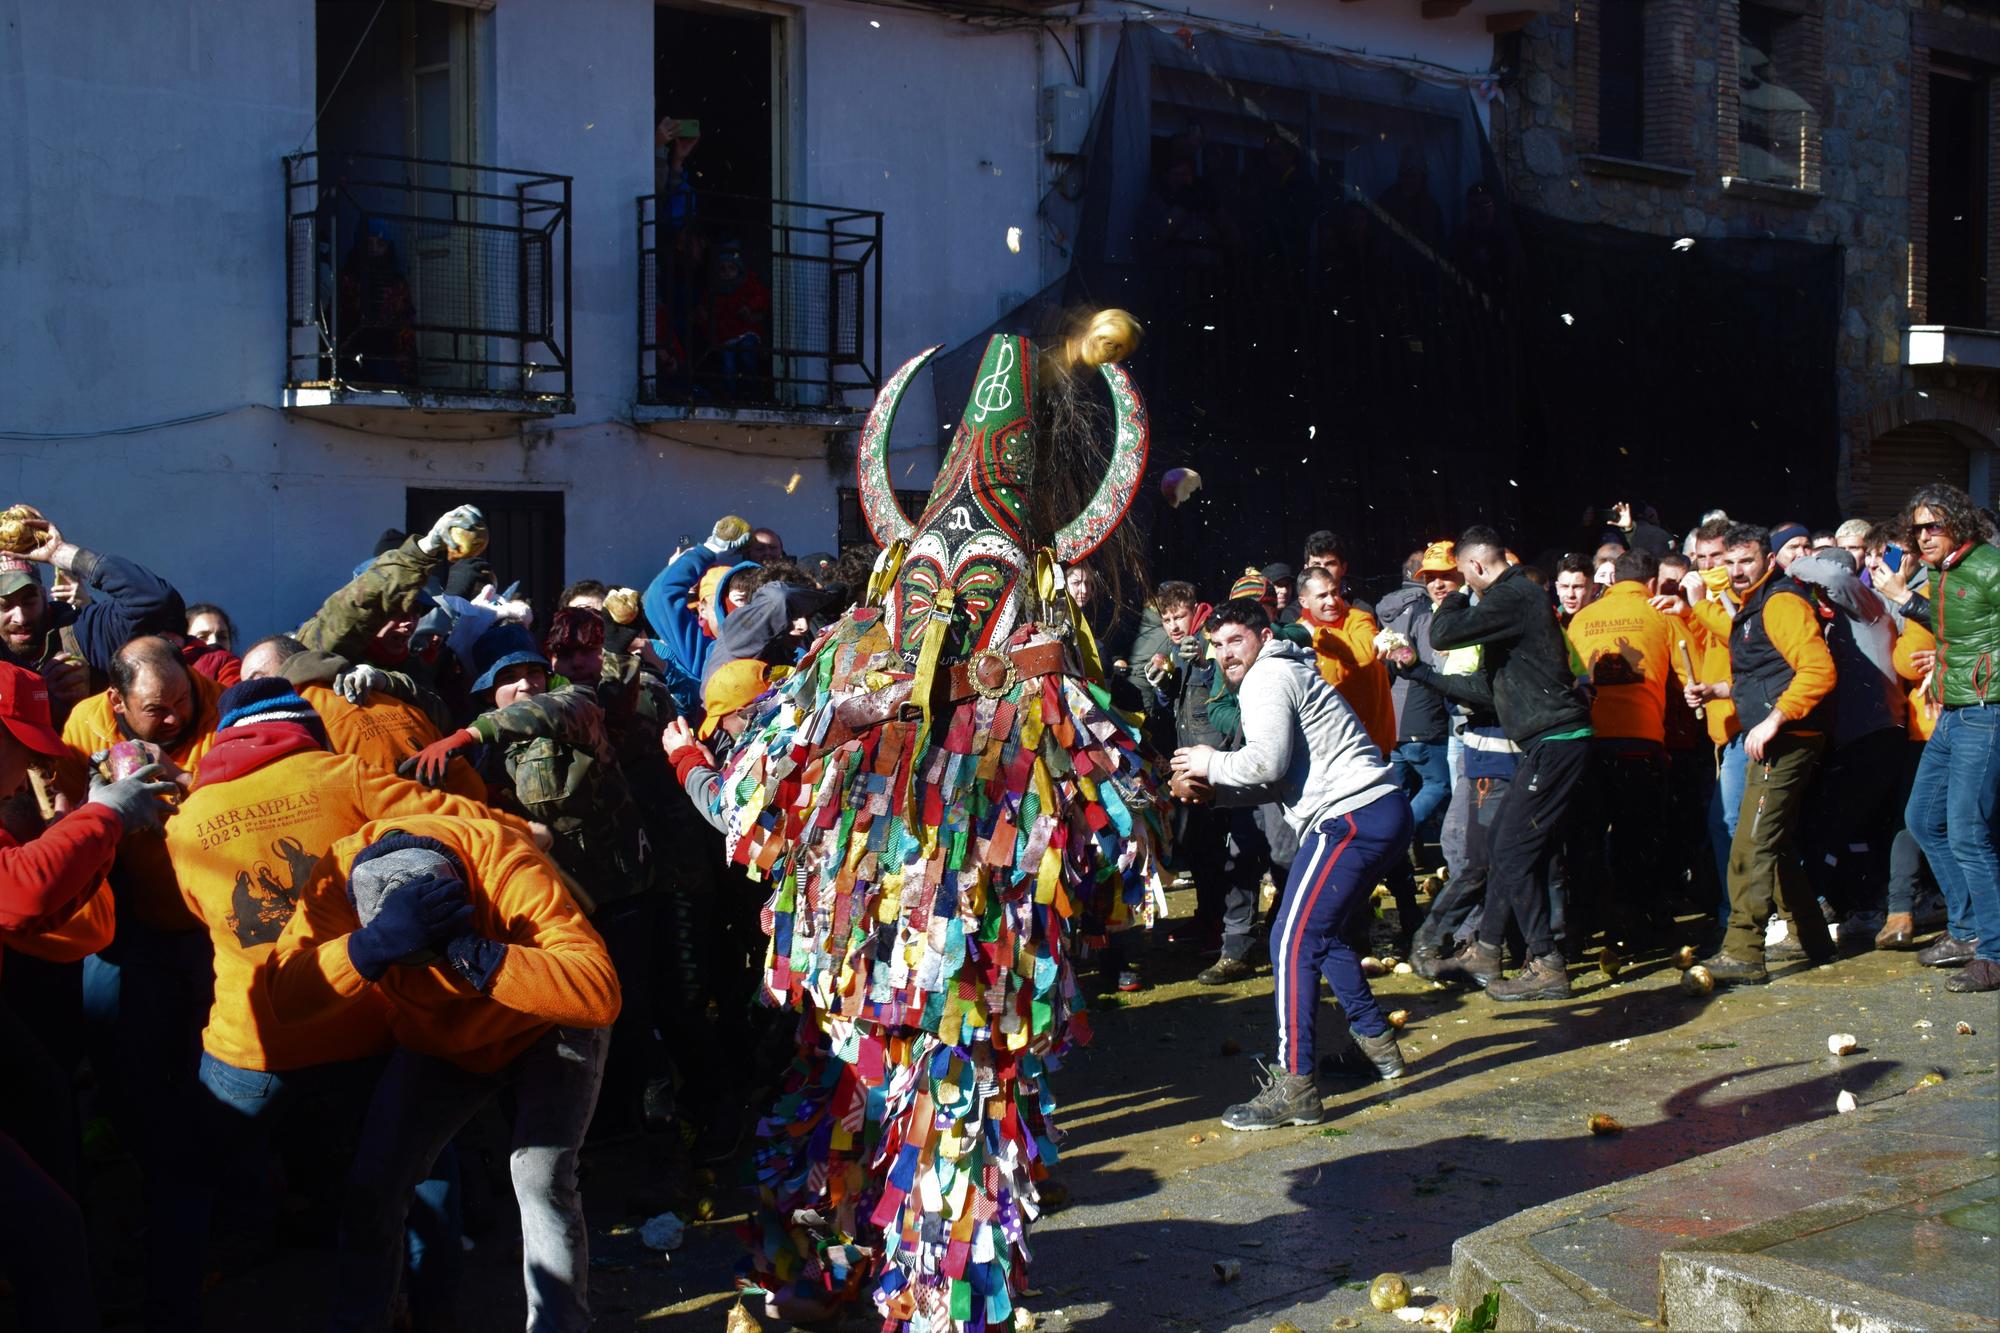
(420, 917)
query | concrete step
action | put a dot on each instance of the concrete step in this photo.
(1884, 1219)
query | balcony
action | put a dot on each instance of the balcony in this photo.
(1952, 347)
(757, 312)
(425, 297)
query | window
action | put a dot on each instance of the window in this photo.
(1957, 213)
(1775, 124)
(1621, 78)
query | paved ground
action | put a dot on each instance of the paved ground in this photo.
(1490, 1120)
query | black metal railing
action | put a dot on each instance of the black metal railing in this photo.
(440, 278)
(747, 302)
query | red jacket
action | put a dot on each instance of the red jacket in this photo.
(43, 881)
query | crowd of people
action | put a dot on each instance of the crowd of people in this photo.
(436, 848)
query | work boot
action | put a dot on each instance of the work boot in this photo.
(1785, 949)
(1286, 1099)
(1729, 970)
(1383, 1051)
(1478, 965)
(1899, 931)
(1544, 978)
(1981, 974)
(1225, 970)
(1945, 951)
(1425, 960)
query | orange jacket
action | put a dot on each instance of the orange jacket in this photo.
(87, 930)
(242, 850)
(1345, 652)
(143, 877)
(1632, 653)
(1923, 709)
(556, 970)
(1707, 628)
(385, 731)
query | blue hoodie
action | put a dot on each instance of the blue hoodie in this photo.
(684, 646)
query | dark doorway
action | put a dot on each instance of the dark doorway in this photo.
(1957, 277)
(716, 66)
(525, 535)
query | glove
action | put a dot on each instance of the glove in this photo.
(730, 533)
(422, 914)
(461, 532)
(356, 683)
(139, 800)
(428, 765)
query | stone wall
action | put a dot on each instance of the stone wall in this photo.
(1859, 154)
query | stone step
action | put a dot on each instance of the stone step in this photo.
(1887, 1218)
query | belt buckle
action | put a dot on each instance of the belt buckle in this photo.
(992, 674)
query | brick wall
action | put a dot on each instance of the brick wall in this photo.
(1920, 183)
(1669, 89)
(1728, 87)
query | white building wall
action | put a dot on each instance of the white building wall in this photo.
(142, 263)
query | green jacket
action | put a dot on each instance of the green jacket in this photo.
(347, 621)
(1963, 611)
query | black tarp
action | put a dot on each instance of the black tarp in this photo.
(1331, 348)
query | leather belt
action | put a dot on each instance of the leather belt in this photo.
(993, 672)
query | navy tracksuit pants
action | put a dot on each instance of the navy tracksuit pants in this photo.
(1338, 865)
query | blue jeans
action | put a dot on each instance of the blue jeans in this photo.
(1338, 864)
(1954, 812)
(1730, 768)
(1428, 763)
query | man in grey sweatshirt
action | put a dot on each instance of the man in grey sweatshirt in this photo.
(1304, 748)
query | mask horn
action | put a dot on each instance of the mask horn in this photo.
(886, 520)
(1088, 530)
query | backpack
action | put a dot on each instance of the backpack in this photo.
(599, 837)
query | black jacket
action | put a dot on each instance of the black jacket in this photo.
(1534, 690)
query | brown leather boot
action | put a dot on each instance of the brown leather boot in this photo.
(1899, 931)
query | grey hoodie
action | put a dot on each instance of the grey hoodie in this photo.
(1303, 747)
(1867, 693)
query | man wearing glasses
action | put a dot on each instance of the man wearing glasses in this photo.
(1954, 808)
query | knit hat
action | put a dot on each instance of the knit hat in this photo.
(468, 576)
(1252, 585)
(1785, 533)
(392, 861)
(268, 699)
(732, 685)
(1278, 572)
(1438, 559)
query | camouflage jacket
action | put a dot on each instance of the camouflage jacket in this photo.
(347, 621)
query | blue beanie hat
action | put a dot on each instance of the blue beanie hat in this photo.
(1785, 533)
(267, 699)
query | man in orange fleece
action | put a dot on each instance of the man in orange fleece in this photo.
(1780, 672)
(1342, 638)
(46, 885)
(520, 996)
(1631, 651)
(269, 801)
(374, 714)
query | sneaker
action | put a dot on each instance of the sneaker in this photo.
(1981, 974)
(1729, 970)
(1478, 965)
(1544, 978)
(1225, 970)
(1286, 1099)
(1775, 930)
(1383, 1051)
(1129, 980)
(1947, 951)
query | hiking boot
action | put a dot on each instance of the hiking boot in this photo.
(1729, 970)
(1785, 949)
(1382, 1051)
(1899, 931)
(1544, 978)
(1286, 1099)
(1946, 951)
(1981, 974)
(1478, 965)
(1225, 970)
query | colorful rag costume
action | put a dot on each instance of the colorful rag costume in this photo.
(944, 800)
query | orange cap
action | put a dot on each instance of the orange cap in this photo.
(733, 685)
(1438, 559)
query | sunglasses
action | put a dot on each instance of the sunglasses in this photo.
(1933, 529)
